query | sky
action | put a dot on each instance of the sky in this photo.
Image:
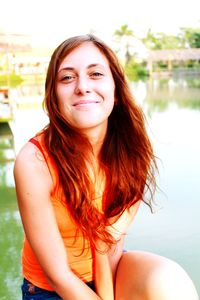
(49, 22)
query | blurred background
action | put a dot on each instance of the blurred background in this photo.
(158, 44)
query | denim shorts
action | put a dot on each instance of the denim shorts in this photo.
(32, 292)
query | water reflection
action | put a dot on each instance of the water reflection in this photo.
(173, 109)
(6, 142)
(13, 135)
(183, 92)
(10, 245)
(11, 230)
(7, 155)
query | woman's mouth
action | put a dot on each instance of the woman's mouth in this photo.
(85, 102)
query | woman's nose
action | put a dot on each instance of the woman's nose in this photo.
(82, 86)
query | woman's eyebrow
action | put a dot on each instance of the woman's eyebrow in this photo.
(88, 67)
(95, 65)
(66, 69)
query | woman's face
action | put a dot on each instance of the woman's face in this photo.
(85, 88)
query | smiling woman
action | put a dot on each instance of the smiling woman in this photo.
(80, 182)
(85, 89)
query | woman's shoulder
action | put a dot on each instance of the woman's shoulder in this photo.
(27, 153)
(30, 167)
(30, 158)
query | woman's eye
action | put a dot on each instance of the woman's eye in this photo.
(67, 78)
(97, 74)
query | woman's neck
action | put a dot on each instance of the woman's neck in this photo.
(96, 137)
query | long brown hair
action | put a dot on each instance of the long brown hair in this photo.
(126, 157)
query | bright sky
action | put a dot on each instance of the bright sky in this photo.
(49, 22)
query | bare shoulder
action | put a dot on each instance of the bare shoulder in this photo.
(28, 155)
(31, 171)
(30, 158)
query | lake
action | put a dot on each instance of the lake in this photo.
(172, 108)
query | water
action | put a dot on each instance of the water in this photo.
(173, 112)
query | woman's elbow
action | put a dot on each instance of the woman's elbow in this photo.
(59, 279)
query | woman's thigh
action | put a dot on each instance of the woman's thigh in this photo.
(32, 292)
(146, 276)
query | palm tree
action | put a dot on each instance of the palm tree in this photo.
(123, 31)
(123, 35)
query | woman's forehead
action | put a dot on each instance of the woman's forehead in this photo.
(85, 54)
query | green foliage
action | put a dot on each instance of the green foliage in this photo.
(136, 71)
(196, 40)
(124, 36)
(160, 65)
(12, 80)
(187, 38)
(123, 31)
(190, 37)
(160, 41)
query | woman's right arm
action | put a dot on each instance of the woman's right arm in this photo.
(33, 187)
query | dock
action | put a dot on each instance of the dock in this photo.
(6, 106)
(7, 151)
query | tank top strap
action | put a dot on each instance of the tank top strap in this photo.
(37, 144)
(37, 141)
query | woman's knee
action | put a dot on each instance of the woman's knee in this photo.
(143, 275)
(169, 280)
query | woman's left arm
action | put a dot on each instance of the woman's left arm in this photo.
(106, 263)
(103, 275)
(118, 230)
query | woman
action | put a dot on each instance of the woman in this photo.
(80, 182)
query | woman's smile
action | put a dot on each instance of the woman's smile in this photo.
(85, 103)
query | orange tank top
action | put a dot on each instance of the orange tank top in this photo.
(78, 249)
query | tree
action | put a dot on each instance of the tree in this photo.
(160, 41)
(190, 37)
(149, 40)
(123, 35)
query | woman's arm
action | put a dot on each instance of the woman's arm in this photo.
(106, 264)
(119, 225)
(103, 274)
(118, 231)
(33, 187)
